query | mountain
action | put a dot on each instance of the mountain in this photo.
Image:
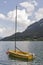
(33, 32)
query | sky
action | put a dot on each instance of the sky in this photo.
(28, 12)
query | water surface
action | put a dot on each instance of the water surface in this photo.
(29, 46)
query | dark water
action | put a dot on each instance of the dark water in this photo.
(33, 46)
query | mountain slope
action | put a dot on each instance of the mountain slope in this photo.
(33, 32)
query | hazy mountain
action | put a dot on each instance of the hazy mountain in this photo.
(33, 32)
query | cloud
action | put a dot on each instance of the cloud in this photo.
(39, 14)
(22, 18)
(11, 15)
(34, 2)
(29, 7)
(22, 21)
(2, 16)
(6, 32)
(2, 29)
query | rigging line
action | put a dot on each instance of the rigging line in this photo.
(20, 50)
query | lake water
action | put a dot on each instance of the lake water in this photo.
(33, 47)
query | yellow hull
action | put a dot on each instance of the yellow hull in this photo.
(20, 55)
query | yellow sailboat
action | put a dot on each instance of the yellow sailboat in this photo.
(18, 53)
(26, 56)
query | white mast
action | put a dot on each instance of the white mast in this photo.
(15, 28)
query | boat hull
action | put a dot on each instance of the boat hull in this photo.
(20, 55)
